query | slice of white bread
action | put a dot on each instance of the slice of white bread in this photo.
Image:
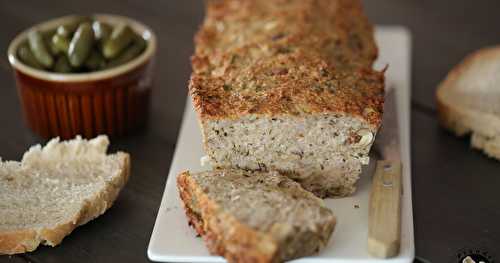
(257, 217)
(469, 100)
(56, 188)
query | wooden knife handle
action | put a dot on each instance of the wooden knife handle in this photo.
(384, 219)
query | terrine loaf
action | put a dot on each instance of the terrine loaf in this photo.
(288, 85)
(258, 217)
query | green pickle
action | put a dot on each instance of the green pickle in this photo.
(37, 45)
(102, 31)
(130, 53)
(65, 30)
(59, 44)
(47, 37)
(62, 65)
(120, 38)
(26, 56)
(68, 29)
(95, 61)
(81, 45)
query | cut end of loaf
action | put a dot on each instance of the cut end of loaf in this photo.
(324, 152)
(254, 216)
(55, 189)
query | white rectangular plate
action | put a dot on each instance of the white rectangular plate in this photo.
(174, 241)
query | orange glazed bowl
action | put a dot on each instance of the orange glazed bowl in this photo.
(113, 101)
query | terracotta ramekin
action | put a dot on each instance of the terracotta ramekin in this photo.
(113, 101)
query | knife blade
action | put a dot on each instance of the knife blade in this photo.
(384, 216)
(387, 141)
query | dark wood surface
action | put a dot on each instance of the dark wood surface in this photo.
(455, 194)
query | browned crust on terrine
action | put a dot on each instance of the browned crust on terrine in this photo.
(277, 57)
(210, 226)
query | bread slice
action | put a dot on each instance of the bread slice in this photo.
(289, 86)
(254, 217)
(56, 188)
(468, 100)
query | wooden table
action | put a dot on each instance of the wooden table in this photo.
(456, 190)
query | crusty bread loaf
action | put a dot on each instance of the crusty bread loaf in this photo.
(468, 100)
(288, 86)
(55, 189)
(254, 217)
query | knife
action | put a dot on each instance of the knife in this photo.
(384, 216)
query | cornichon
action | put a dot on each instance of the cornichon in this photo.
(95, 61)
(120, 38)
(102, 31)
(25, 55)
(39, 50)
(81, 45)
(130, 53)
(59, 44)
(62, 65)
(68, 29)
(65, 30)
(47, 37)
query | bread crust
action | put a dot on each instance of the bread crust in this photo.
(286, 58)
(222, 233)
(483, 127)
(27, 240)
